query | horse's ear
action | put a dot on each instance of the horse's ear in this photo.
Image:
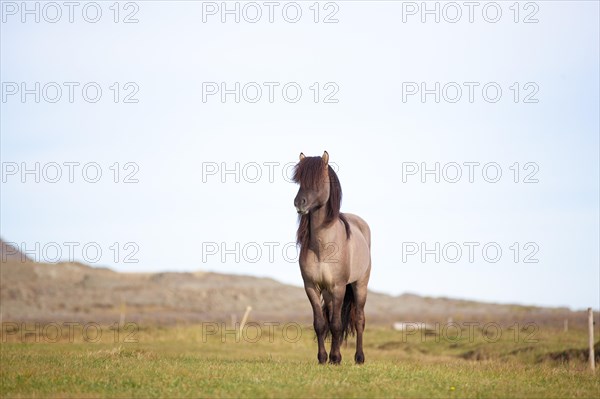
(302, 156)
(326, 157)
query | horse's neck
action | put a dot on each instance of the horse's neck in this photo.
(319, 230)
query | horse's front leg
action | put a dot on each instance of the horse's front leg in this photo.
(319, 321)
(335, 356)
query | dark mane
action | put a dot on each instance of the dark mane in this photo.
(309, 173)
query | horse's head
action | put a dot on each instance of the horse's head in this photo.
(313, 175)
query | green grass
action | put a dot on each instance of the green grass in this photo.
(176, 362)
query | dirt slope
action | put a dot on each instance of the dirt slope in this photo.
(76, 292)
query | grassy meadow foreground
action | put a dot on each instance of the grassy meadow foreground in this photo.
(193, 361)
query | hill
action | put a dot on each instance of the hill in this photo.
(31, 291)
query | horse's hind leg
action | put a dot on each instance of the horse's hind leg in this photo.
(319, 322)
(360, 295)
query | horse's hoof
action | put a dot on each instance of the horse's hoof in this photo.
(359, 358)
(322, 358)
(335, 359)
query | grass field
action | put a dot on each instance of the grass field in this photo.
(192, 361)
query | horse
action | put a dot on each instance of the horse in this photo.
(335, 257)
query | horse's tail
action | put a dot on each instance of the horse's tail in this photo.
(349, 313)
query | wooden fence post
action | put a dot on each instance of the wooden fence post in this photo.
(123, 310)
(244, 319)
(591, 338)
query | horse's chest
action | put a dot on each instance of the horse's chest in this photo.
(324, 274)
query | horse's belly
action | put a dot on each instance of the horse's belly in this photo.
(360, 259)
(358, 270)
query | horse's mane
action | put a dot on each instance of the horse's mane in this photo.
(309, 173)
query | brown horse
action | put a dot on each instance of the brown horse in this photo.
(335, 257)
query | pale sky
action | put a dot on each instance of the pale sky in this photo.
(178, 138)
